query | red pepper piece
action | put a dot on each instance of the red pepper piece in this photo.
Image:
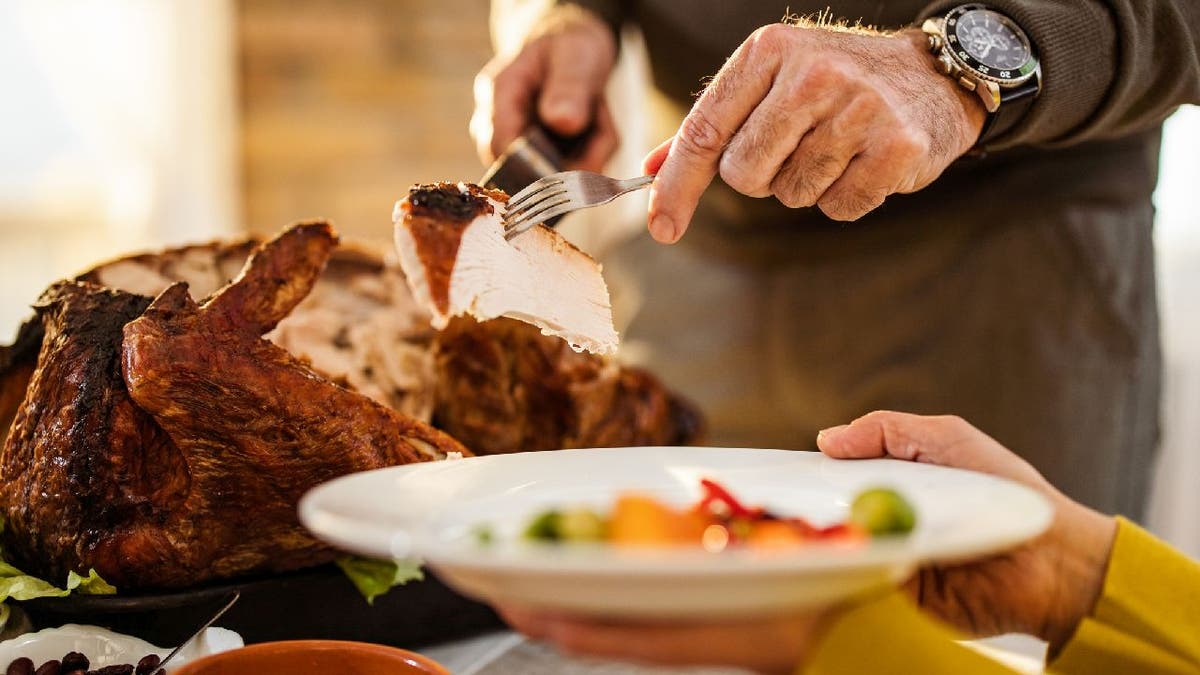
(714, 492)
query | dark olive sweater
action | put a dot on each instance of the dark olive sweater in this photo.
(1017, 290)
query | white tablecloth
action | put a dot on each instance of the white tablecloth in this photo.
(507, 653)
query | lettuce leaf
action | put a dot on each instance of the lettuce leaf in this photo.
(373, 577)
(92, 584)
(16, 585)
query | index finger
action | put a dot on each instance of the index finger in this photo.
(944, 440)
(695, 152)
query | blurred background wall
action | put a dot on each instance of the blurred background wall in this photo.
(118, 130)
(344, 104)
(135, 124)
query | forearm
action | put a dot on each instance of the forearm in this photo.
(1109, 67)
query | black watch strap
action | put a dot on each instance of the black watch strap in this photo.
(1014, 103)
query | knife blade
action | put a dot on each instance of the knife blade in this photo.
(534, 154)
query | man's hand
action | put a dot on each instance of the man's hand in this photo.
(772, 644)
(1044, 588)
(556, 77)
(815, 116)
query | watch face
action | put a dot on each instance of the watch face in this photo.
(990, 43)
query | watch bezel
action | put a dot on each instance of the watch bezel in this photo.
(963, 58)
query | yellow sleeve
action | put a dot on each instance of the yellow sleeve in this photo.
(1147, 619)
(891, 635)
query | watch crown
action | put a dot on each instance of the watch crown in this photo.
(946, 63)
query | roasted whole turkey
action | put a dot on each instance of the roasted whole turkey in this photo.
(151, 432)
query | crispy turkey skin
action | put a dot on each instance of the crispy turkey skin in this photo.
(166, 443)
(505, 387)
(150, 431)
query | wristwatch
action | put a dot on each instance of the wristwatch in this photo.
(987, 52)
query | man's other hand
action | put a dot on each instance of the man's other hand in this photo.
(555, 77)
(815, 116)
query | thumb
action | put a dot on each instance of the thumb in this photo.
(945, 440)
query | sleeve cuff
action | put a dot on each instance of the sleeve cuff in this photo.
(1077, 44)
(1150, 606)
(1098, 648)
(890, 635)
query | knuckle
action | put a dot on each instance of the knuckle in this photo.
(848, 204)
(893, 429)
(829, 72)
(782, 188)
(698, 135)
(737, 174)
(767, 40)
(909, 144)
(881, 415)
(796, 92)
(802, 181)
(790, 199)
(870, 96)
(866, 105)
(884, 417)
(954, 422)
(788, 192)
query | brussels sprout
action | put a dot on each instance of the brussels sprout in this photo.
(882, 511)
(581, 525)
(544, 527)
(567, 525)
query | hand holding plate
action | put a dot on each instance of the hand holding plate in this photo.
(1044, 588)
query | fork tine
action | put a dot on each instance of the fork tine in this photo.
(535, 199)
(512, 233)
(532, 189)
(535, 214)
(542, 216)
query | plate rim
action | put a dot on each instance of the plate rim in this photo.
(333, 529)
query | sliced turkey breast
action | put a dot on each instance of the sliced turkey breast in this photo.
(450, 241)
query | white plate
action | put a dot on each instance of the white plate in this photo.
(106, 648)
(431, 511)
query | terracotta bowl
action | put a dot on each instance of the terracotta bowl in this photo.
(313, 656)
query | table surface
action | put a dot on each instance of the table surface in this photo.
(508, 653)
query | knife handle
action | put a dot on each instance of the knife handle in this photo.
(535, 154)
(555, 147)
(564, 147)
